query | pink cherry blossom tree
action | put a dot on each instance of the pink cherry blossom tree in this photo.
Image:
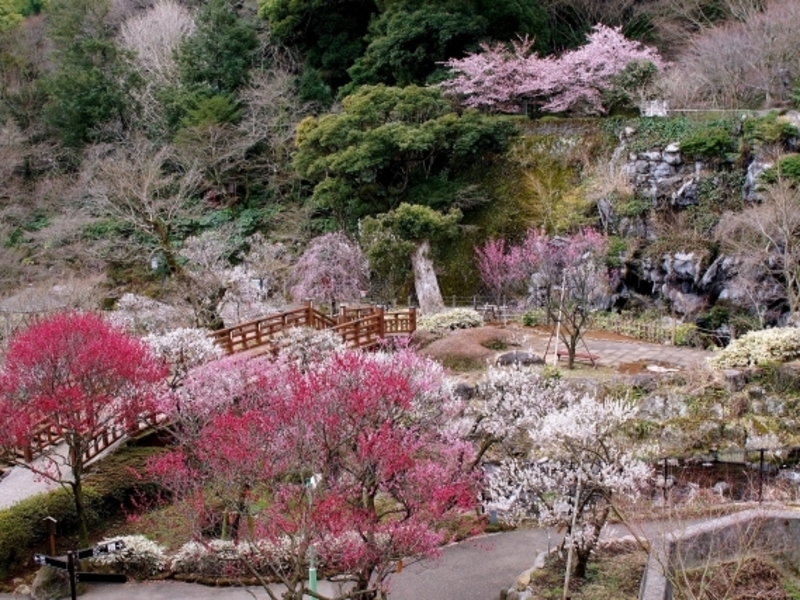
(372, 431)
(75, 375)
(501, 78)
(565, 275)
(499, 267)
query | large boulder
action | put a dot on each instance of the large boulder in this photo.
(50, 584)
(519, 357)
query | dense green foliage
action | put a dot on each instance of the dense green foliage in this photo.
(395, 42)
(408, 39)
(216, 59)
(393, 144)
(92, 79)
(329, 33)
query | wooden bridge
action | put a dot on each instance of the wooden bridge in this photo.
(359, 327)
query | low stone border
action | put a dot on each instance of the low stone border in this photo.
(763, 531)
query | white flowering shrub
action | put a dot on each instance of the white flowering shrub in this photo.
(513, 399)
(225, 558)
(303, 345)
(140, 558)
(457, 318)
(756, 347)
(142, 315)
(183, 349)
(577, 448)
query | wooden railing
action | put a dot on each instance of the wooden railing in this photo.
(110, 435)
(44, 436)
(360, 327)
(48, 434)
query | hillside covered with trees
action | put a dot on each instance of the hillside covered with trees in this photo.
(194, 154)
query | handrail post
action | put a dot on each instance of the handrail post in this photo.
(412, 319)
(309, 312)
(381, 322)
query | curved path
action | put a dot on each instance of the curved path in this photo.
(475, 569)
(617, 350)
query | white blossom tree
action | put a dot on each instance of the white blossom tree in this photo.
(509, 401)
(154, 38)
(183, 349)
(578, 463)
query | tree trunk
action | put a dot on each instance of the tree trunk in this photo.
(80, 512)
(425, 282)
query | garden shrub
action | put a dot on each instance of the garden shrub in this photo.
(708, 142)
(769, 129)
(227, 559)
(787, 168)
(457, 318)
(532, 318)
(757, 347)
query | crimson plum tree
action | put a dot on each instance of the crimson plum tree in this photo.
(372, 431)
(76, 375)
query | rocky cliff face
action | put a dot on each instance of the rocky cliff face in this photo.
(670, 257)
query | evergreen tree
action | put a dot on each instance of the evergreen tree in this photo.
(92, 79)
(215, 59)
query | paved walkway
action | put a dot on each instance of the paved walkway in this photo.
(476, 569)
(473, 570)
(21, 483)
(622, 351)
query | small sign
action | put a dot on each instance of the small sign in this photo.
(101, 577)
(50, 561)
(100, 549)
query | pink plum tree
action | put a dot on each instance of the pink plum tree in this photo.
(371, 431)
(332, 268)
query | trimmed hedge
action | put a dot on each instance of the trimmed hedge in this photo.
(108, 488)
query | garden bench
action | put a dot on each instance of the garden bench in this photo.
(584, 356)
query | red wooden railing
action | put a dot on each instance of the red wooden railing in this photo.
(360, 327)
(49, 434)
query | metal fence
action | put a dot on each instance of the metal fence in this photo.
(735, 474)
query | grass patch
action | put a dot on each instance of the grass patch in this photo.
(738, 580)
(615, 573)
(462, 364)
(495, 344)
